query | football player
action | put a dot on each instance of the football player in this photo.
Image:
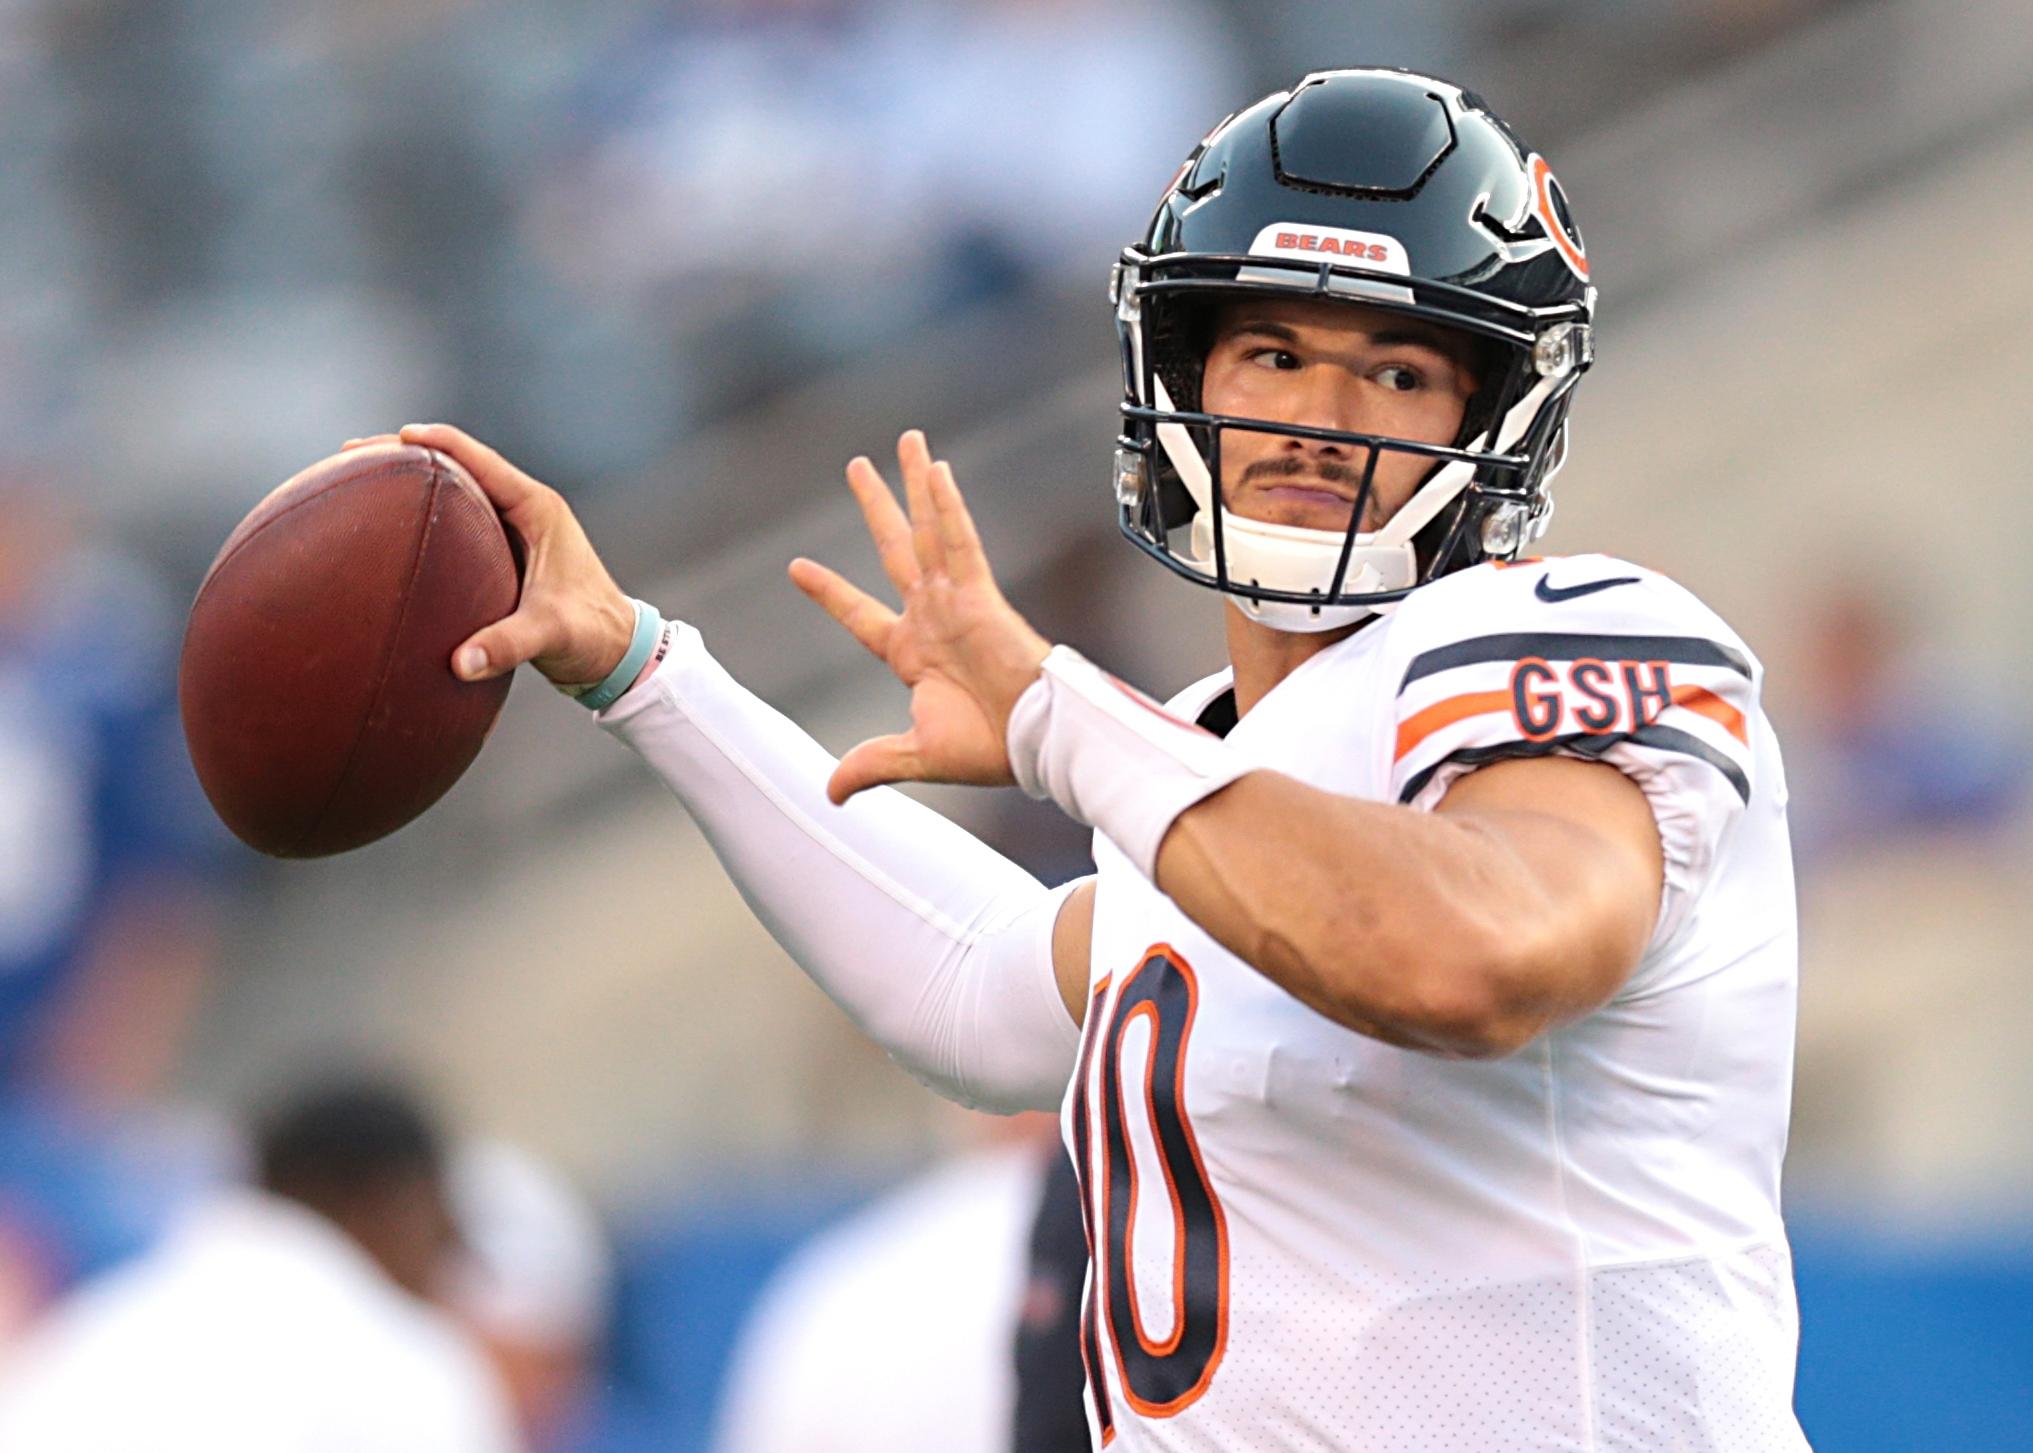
(1424, 1036)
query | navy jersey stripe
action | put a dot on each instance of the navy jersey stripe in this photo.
(1573, 646)
(1588, 744)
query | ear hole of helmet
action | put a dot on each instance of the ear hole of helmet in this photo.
(1180, 332)
(1497, 371)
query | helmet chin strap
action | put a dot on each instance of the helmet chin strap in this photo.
(1293, 558)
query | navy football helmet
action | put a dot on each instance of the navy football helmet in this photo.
(1395, 191)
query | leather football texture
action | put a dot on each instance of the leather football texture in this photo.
(316, 680)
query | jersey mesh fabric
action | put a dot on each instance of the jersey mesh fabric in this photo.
(1740, 1317)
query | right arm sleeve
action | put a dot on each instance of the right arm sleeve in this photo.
(936, 945)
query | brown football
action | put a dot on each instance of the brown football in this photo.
(316, 684)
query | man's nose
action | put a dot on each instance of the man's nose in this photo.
(1328, 399)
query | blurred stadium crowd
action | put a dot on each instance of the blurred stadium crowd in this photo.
(682, 259)
(606, 226)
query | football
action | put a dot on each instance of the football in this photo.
(316, 683)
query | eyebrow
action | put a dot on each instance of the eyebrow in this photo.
(1263, 327)
(1386, 338)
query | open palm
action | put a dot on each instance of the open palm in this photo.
(963, 650)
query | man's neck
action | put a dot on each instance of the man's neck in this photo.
(1263, 657)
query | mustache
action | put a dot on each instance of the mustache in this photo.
(1291, 466)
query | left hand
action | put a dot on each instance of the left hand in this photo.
(963, 651)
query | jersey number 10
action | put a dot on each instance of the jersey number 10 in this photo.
(1145, 1124)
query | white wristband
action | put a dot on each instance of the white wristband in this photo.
(1111, 757)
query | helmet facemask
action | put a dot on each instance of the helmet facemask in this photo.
(1484, 495)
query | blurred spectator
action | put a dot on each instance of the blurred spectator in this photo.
(283, 223)
(532, 1280)
(284, 1319)
(110, 866)
(577, 227)
(107, 849)
(896, 1330)
(1885, 746)
(1909, 789)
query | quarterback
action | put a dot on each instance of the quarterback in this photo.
(1423, 1038)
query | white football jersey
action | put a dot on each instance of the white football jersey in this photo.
(1305, 1239)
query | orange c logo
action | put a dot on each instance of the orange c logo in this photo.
(1569, 245)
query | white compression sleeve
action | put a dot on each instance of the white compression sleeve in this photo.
(935, 944)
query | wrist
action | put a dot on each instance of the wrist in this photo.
(648, 633)
(1025, 666)
(612, 626)
(617, 632)
(1112, 758)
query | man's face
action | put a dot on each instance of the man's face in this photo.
(1330, 365)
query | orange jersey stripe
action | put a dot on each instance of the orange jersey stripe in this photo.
(1415, 728)
(1703, 702)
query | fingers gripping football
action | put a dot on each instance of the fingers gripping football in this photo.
(963, 651)
(572, 622)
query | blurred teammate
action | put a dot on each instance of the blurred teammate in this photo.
(532, 1280)
(895, 1329)
(288, 1319)
(1435, 987)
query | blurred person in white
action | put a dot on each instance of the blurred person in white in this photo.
(532, 1278)
(896, 1329)
(1440, 961)
(287, 1317)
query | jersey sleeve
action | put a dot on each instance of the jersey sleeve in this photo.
(1583, 657)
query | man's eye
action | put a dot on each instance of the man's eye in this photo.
(1399, 379)
(1278, 358)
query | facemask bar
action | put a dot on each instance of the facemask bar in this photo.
(1185, 455)
(1369, 474)
(1416, 514)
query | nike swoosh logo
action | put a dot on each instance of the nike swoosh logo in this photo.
(1549, 592)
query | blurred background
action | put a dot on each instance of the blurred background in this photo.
(683, 260)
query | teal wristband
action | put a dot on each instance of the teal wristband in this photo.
(647, 626)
